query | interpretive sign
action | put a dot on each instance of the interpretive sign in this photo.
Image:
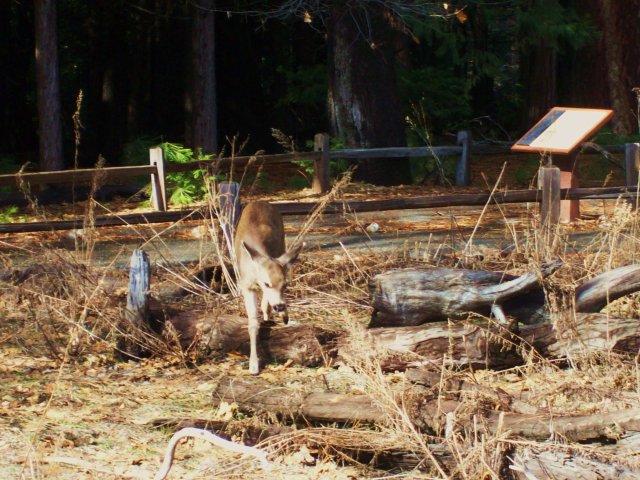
(562, 130)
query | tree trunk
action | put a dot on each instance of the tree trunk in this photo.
(539, 78)
(204, 113)
(48, 86)
(619, 21)
(364, 106)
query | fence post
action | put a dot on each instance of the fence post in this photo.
(631, 167)
(321, 165)
(158, 188)
(462, 169)
(229, 195)
(549, 183)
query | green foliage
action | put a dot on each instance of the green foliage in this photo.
(440, 94)
(526, 171)
(550, 23)
(298, 182)
(261, 181)
(136, 152)
(8, 164)
(607, 137)
(306, 86)
(423, 168)
(10, 215)
(187, 187)
(337, 166)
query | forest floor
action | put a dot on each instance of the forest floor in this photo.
(69, 414)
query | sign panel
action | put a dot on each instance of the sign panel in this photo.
(562, 130)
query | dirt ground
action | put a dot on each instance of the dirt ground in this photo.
(90, 416)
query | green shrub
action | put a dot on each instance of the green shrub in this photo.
(10, 215)
(526, 171)
(185, 187)
(298, 182)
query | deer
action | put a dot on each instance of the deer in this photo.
(263, 263)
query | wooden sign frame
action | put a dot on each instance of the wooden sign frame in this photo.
(562, 130)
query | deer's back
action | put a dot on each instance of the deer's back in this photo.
(262, 229)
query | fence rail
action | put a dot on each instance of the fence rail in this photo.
(321, 157)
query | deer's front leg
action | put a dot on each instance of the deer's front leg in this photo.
(251, 305)
(266, 308)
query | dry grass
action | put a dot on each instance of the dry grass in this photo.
(70, 410)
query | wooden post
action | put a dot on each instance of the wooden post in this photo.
(569, 209)
(631, 167)
(549, 183)
(321, 170)
(158, 189)
(462, 169)
(131, 341)
(229, 194)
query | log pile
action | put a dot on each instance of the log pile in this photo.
(421, 319)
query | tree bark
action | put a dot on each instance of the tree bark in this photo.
(540, 82)
(619, 22)
(48, 86)
(204, 110)
(364, 106)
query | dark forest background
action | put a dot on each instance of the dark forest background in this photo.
(371, 73)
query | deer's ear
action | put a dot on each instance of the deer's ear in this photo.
(291, 255)
(253, 253)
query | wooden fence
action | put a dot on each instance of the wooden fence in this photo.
(549, 196)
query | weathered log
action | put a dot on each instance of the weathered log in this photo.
(591, 332)
(302, 344)
(464, 344)
(414, 296)
(426, 411)
(528, 464)
(297, 404)
(481, 346)
(595, 294)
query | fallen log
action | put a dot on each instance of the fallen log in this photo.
(426, 411)
(297, 404)
(591, 332)
(597, 293)
(529, 464)
(413, 296)
(302, 344)
(465, 344)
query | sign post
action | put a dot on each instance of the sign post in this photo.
(559, 133)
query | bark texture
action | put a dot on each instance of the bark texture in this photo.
(364, 105)
(204, 111)
(48, 86)
(413, 296)
(619, 22)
